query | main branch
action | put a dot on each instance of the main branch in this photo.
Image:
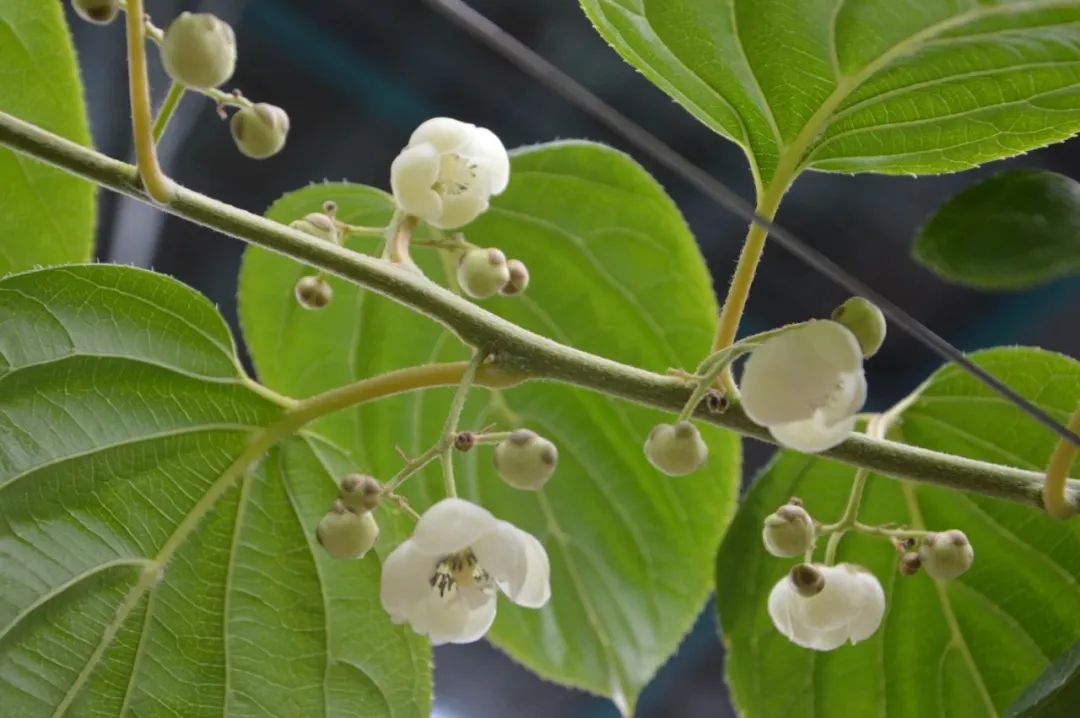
(517, 349)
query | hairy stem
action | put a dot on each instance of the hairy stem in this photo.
(521, 353)
(158, 186)
(453, 416)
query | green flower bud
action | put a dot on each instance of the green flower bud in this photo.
(345, 534)
(259, 131)
(318, 225)
(788, 532)
(100, 12)
(313, 292)
(359, 492)
(676, 449)
(910, 563)
(482, 272)
(519, 278)
(525, 460)
(199, 50)
(863, 319)
(807, 580)
(946, 555)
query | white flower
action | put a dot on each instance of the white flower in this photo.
(442, 580)
(448, 172)
(806, 385)
(849, 607)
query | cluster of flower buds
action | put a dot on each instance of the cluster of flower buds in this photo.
(806, 383)
(198, 51)
(482, 273)
(944, 556)
(313, 291)
(348, 530)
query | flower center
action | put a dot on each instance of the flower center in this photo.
(459, 570)
(456, 175)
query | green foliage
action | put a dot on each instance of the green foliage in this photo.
(121, 408)
(46, 215)
(614, 271)
(872, 86)
(1014, 230)
(965, 647)
(1056, 693)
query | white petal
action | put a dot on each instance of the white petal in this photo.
(487, 149)
(827, 640)
(791, 375)
(518, 563)
(404, 581)
(872, 608)
(458, 210)
(450, 526)
(780, 603)
(478, 622)
(836, 605)
(445, 134)
(412, 175)
(812, 435)
(848, 397)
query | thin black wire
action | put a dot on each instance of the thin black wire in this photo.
(526, 59)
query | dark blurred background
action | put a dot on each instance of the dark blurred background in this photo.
(356, 76)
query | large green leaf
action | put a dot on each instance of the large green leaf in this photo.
(121, 407)
(47, 215)
(962, 648)
(1014, 230)
(1056, 692)
(614, 271)
(912, 86)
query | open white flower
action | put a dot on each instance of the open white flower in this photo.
(448, 172)
(806, 385)
(442, 580)
(849, 607)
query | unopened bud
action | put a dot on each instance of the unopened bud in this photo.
(525, 460)
(482, 272)
(346, 534)
(359, 492)
(676, 449)
(318, 225)
(519, 278)
(910, 563)
(807, 580)
(863, 319)
(199, 50)
(946, 555)
(788, 532)
(100, 12)
(313, 292)
(260, 131)
(464, 441)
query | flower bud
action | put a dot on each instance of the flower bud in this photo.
(259, 131)
(313, 292)
(345, 534)
(199, 50)
(318, 225)
(910, 563)
(100, 12)
(788, 532)
(863, 319)
(359, 492)
(807, 580)
(676, 449)
(525, 460)
(946, 555)
(519, 278)
(482, 272)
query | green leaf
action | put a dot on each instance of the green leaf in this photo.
(1056, 692)
(1014, 230)
(48, 215)
(916, 87)
(966, 647)
(121, 408)
(614, 271)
